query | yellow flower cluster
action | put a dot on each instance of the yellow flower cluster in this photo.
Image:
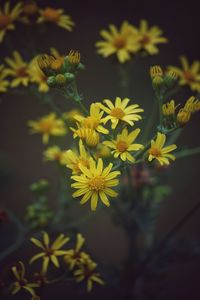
(129, 40)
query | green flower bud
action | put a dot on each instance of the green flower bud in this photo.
(170, 79)
(51, 81)
(69, 76)
(39, 187)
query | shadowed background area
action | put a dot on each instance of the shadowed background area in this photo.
(21, 154)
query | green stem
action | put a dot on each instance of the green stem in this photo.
(77, 98)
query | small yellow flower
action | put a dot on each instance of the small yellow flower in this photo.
(188, 75)
(74, 57)
(50, 62)
(48, 125)
(37, 76)
(53, 153)
(183, 117)
(88, 135)
(49, 252)
(192, 105)
(124, 144)
(19, 69)
(4, 83)
(8, 17)
(159, 153)
(56, 16)
(73, 160)
(95, 182)
(149, 37)
(168, 109)
(86, 272)
(94, 120)
(121, 112)
(122, 42)
(69, 116)
(30, 12)
(102, 151)
(21, 282)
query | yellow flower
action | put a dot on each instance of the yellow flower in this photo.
(192, 105)
(88, 135)
(7, 18)
(74, 57)
(183, 117)
(53, 153)
(124, 144)
(158, 152)
(168, 109)
(18, 69)
(3, 82)
(30, 11)
(102, 151)
(188, 75)
(122, 42)
(49, 252)
(73, 161)
(149, 37)
(37, 76)
(86, 272)
(94, 120)
(21, 282)
(95, 182)
(121, 112)
(69, 116)
(75, 256)
(56, 16)
(48, 125)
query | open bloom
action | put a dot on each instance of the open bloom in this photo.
(122, 42)
(95, 182)
(119, 111)
(7, 18)
(160, 153)
(149, 37)
(30, 11)
(188, 75)
(37, 76)
(21, 282)
(94, 120)
(50, 253)
(73, 160)
(123, 144)
(56, 16)
(48, 125)
(18, 69)
(4, 83)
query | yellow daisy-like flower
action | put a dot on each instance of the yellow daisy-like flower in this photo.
(3, 82)
(7, 18)
(88, 135)
(94, 120)
(56, 16)
(19, 69)
(48, 125)
(30, 11)
(95, 182)
(75, 256)
(122, 42)
(53, 153)
(21, 282)
(160, 153)
(73, 160)
(49, 252)
(37, 76)
(149, 37)
(120, 112)
(124, 144)
(188, 75)
(86, 272)
(168, 109)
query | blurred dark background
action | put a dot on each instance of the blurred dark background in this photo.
(22, 153)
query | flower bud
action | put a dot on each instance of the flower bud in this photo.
(60, 80)
(74, 57)
(156, 74)
(92, 138)
(183, 117)
(40, 186)
(170, 79)
(51, 81)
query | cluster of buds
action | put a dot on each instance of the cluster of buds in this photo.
(60, 71)
(162, 80)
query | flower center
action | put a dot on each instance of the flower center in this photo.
(117, 113)
(121, 146)
(51, 14)
(188, 76)
(119, 42)
(155, 152)
(144, 40)
(90, 122)
(49, 252)
(46, 126)
(30, 8)
(22, 72)
(4, 21)
(97, 183)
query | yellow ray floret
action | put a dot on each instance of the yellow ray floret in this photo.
(168, 109)
(4, 83)
(160, 153)
(37, 76)
(88, 135)
(95, 183)
(50, 253)
(122, 42)
(119, 111)
(123, 145)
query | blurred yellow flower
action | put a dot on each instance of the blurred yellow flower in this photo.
(95, 182)
(192, 105)
(53, 153)
(159, 153)
(48, 125)
(124, 144)
(37, 76)
(19, 69)
(102, 151)
(30, 11)
(120, 112)
(122, 42)
(188, 75)
(56, 16)
(7, 18)
(4, 83)
(49, 252)
(69, 115)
